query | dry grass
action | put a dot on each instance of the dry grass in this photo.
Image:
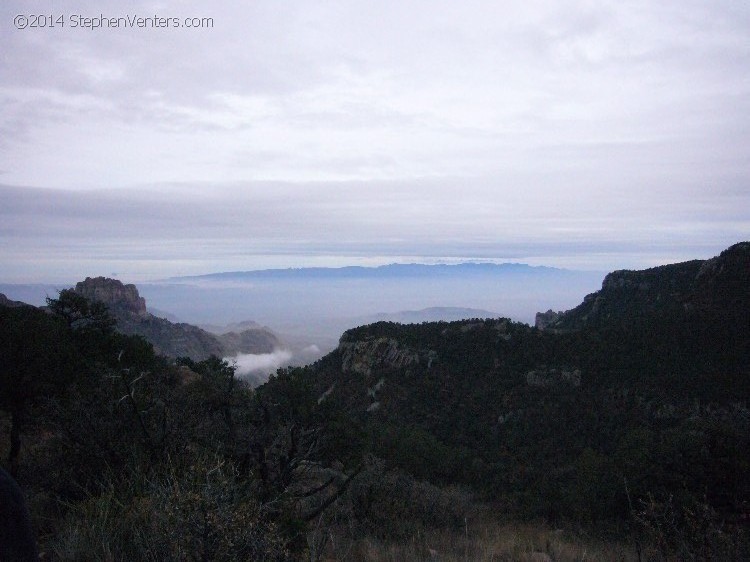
(481, 541)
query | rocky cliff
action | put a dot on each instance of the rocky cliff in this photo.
(545, 319)
(117, 296)
(718, 284)
(364, 357)
(170, 338)
(724, 281)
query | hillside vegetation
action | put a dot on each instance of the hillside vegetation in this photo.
(173, 339)
(624, 423)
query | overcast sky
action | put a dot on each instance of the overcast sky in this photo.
(587, 134)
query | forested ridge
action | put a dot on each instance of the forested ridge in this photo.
(626, 417)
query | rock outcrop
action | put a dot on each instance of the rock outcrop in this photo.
(546, 377)
(544, 319)
(170, 338)
(117, 296)
(366, 354)
(364, 357)
(720, 283)
(723, 282)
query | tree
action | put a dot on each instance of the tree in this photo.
(80, 313)
(36, 360)
(90, 323)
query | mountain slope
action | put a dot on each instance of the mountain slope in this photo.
(169, 338)
(647, 382)
(719, 284)
(5, 301)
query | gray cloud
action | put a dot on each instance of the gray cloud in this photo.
(359, 130)
(204, 228)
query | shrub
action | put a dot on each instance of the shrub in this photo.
(202, 512)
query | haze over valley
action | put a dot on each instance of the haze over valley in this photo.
(309, 308)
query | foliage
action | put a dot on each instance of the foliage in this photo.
(660, 401)
(147, 459)
(200, 512)
(636, 422)
(689, 532)
(36, 360)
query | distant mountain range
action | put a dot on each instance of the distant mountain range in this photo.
(309, 308)
(394, 270)
(431, 314)
(318, 304)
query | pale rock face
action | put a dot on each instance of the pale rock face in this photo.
(548, 377)
(374, 406)
(544, 319)
(364, 356)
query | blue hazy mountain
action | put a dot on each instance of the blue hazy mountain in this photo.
(432, 314)
(395, 270)
(312, 307)
(319, 303)
(327, 300)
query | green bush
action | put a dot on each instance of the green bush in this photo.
(199, 512)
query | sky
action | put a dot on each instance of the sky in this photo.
(583, 134)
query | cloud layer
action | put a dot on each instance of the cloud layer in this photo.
(142, 234)
(357, 131)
